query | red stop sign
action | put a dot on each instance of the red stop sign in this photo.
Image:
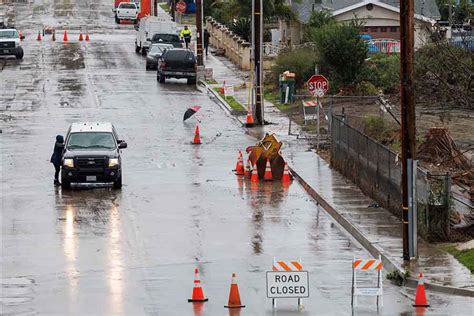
(318, 85)
(181, 6)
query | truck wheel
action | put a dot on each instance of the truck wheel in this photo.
(143, 51)
(117, 20)
(191, 81)
(66, 185)
(19, 54)
(118, 183)
(137, 48)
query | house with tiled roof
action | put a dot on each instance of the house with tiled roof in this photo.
(381, 18)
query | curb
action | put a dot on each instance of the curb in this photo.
(389, 263)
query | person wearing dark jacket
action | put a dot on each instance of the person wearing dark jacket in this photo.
(206, 36)
(56, 157)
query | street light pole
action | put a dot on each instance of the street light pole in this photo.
(407, 109)
(199, 38)
(257, 26)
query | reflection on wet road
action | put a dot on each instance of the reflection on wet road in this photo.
(132, 252)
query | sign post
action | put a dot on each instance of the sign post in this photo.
(318, 86)
(287, 280)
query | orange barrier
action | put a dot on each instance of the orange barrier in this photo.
(234, 295)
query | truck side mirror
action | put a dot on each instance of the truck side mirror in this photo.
(22, 37)
(122, 145)
(135, 27)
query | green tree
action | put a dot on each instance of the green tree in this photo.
(341, 49)
(300, 61)
(320, 18)
(242, 27)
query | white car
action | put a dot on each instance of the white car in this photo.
(10, 43)
(149, 26)
(126, 11)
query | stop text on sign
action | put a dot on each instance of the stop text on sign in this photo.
(287, 284)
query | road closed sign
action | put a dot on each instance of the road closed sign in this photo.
(287, 284)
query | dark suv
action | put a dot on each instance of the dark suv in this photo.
(177, 63)
(92, 155)
(165, 38)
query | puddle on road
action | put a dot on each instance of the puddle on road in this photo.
(68, 56)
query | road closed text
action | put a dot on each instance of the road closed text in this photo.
(287, 284)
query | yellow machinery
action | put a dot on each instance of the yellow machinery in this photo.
(267, 148)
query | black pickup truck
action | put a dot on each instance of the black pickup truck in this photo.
(177, 63)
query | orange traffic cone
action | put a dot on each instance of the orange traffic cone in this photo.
(234, 296)
(239, 168)
(80, 37)
(286, 175)
(420, 297)
(254, 177)
(198, 295)
(222, 89)
(197, 138)
(53, 38)
(248, 169)
(38, 38)
(87, 37)
(65, 36)
(268, 172)
(249, 118)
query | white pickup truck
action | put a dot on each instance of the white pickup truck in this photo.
(126, 11)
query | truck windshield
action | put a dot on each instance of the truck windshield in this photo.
(88, 140)
(127, 6)
(8, 34)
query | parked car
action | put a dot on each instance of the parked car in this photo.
(177, 63)
(126, 11)
(149, 26)
(10, 43)
(92, 154)
(167, 38)
(155, 52)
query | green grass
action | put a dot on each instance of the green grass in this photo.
(466, 257)
(274, 97)
(211, 81)
(233, 103)
(165, 6)
(188, 19)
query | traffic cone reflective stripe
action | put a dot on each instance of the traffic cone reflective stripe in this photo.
(420, 297)
(87, 37)
(80, 37)
(239, 168)
(38, 38)
(198, 294)
(197, 138)
(286, 175)
(234, 295)
(254, 177)
(65, 36)
(268, 172)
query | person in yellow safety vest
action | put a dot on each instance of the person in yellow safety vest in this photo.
(186, 35)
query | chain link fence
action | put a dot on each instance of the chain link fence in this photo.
(377, 171)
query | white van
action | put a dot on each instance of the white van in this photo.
(149, 26)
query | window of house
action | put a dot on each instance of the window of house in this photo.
(366, 29)
(374, 29)
(383, 29)
(394, 29)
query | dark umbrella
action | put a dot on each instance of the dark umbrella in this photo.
(190, 112)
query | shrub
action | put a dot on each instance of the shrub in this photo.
(366, 88)
(300, 61)
(377, 128)
(383, 72)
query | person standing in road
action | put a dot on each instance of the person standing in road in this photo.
(56, 158)
(206, 36)
(186, 35)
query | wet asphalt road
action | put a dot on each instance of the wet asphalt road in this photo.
(98, 251)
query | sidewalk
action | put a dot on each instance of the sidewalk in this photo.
(375, 228)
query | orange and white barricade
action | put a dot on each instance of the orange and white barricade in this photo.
(287, 280)
(367, 265)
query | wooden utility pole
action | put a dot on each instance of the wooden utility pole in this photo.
(257, 40)
(407, 108)
(155, 7)
(199, 37)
